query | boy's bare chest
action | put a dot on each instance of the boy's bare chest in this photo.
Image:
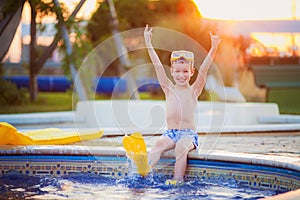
(182, 98)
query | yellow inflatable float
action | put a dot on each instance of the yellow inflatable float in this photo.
(9, 135)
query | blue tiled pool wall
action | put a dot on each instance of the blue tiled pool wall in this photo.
(118, 167)
(254, 176)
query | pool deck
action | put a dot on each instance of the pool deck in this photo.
(266, 138)
(278, 150)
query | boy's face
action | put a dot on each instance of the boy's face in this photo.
(182, 71)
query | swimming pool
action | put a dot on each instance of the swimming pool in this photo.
(77, 172)
(91, 186)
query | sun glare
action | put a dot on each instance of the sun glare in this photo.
(227, 11)
(249, 9)
(275, 44)
(266, 43)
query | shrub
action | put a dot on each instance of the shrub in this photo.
(11, 95)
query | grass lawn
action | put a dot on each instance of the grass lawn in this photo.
(54, 101)
(287, 100)
(47, 102)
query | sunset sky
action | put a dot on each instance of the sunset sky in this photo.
(226, 11)
(246, 16)
(249, 9)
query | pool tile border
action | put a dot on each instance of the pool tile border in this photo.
(13, 158)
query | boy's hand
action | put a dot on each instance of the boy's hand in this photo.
(215, 39)
(148, 34)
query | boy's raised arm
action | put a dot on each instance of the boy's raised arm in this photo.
(202, 73)
(159, 69)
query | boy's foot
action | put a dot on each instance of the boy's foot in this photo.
(174, 182)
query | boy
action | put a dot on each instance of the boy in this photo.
(181, 102)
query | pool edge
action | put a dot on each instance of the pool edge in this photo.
(285, 162)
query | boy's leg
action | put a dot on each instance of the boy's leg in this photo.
(183, 147)
(162, 145)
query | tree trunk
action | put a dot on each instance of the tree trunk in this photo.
(122, 52)
(49, 50)
(79, 88)
(33, 87)
(9, 25)
(35, 63)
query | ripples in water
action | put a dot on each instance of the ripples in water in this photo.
(92, 186)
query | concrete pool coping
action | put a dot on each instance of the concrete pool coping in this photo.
(292, 163)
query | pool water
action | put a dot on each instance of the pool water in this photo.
(14, 185)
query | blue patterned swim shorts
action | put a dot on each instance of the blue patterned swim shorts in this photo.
(177, 134)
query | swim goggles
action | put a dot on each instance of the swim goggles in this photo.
(182, 54)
